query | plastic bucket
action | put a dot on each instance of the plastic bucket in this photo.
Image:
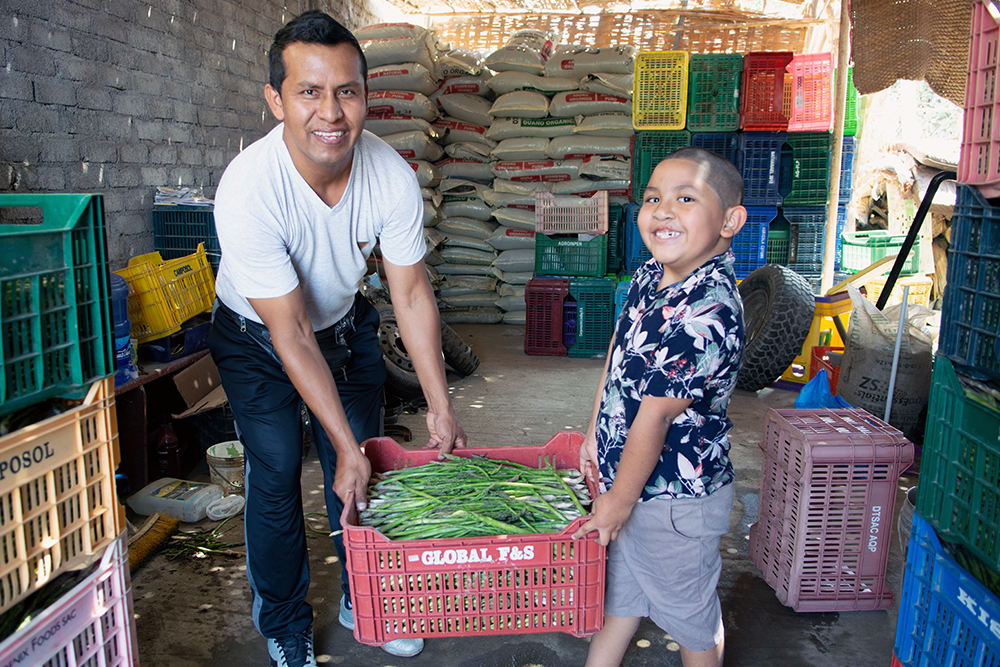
(225, 465)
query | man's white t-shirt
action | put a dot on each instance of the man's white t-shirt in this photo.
(276, 233)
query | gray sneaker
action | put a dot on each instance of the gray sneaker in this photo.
(293, 650)
(401, 648)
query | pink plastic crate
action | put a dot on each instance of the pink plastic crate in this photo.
(463, 587)
(980, 159)
(828, 490)
(811, 105)
(570, 214)
(92, 625)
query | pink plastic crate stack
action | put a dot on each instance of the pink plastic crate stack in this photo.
(828, 489)
(980, 159)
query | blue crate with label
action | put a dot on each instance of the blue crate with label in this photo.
(750, 244)
(760, 164)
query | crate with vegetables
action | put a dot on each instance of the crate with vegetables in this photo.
(478, 543)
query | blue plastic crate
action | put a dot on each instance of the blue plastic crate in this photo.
(648, 149)
(569, 323)
(616, 237)
(760, 164)
(847, 169)
(946, 616)
(841, 224)
(812, 274)
(750, 245)
(177, 231)
(636, 253)
(970, 317)
(726, 144)
(621, 296)
(808, 234)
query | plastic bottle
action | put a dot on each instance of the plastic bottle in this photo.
(175, 498)
(168, 452)
(125, 368)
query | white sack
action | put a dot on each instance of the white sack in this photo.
(508, 82)
(523, 148)
(578, 61)
(510, 128)
(382, 124)
(562, 148)
(520, 104)
(606, 125)
(579, 103)
(408, 76)
(414, 145)
(470, 108)
(401, 103)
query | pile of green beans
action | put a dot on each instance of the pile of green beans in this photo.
(473, 497)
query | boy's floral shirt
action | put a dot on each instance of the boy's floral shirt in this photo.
(685, 341)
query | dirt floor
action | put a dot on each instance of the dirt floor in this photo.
(196, 611)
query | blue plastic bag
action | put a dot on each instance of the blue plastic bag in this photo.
(816, 394)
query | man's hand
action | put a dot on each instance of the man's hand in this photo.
(608, 516)
(351, 478)
(446, 432)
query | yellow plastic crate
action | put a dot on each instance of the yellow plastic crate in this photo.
(165, 294)
(57, 494)
(920, 290)
(660, 89)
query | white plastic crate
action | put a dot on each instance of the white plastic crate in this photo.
(91, 626)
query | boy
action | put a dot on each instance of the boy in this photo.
(658, 433)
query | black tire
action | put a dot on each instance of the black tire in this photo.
(401, 380)
(778, 307)
(457, 352)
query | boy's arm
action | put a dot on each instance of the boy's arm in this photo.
(588, 449)
(642, 450)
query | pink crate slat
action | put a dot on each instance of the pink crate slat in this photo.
(812, 93)
(980, 159)
(828, 488)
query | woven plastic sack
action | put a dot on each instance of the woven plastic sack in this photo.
(509, 303)
(454, 168)
(517, 260)
(578, 61)
(408, 76)
(525, 51)
(453, 131)
(469, 85)
(457, 62)
(515, 317)
(520, 104)
(472, 208)
(512, 128)
(606, 125)
(397, 50)
(431, 215)
(516, 218)
(470, 227)
(537, 170)
(509, 82)
(471, 300)
(606, 166)
(513, 277)
(401, 103)
(428, 175)
(472, 316)
(383, 124)
(415, 145)
(562, 148)
(619, 85)
(470, 108)
(587, 104)
(451, 269)
(521, 148)
(469, 283)
(506, 289)
(389, 30)
(460, 241)
(469, 150)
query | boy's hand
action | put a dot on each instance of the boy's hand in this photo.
(608, 516)
(589, 463)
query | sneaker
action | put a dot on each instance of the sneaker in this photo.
(401, 648)
(293, 650)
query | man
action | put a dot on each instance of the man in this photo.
(297, 214)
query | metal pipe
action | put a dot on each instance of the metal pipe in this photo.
(895, 354)
(911, 236)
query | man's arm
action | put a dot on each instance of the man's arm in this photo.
(416, 313)
(639, 457)
(291, 332)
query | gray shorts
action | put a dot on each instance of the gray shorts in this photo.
(665, 565)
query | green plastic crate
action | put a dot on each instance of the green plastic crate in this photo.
(778, 246)
(651, 147)
(714, 92)
(862, 249)
(616, 238)
(959, 492)
(595, 311)
(851, 109)
(805, 180)
(55, 313)
(568, 256)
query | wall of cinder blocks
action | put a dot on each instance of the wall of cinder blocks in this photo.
(120, 96)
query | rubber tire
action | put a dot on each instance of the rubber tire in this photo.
(778, 309)
(457, 352)
(401, 379)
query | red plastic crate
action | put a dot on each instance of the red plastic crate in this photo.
(93, 624)
(543, 330)
(762, 94)
(461, 587)
(828, 489)
(811, 93)
(821, 360)
(979, 163)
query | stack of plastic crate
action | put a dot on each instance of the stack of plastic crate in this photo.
(60, 510)
(828, 489)
(573, 315)
(636, 253)
(177, 231)
(713, 116)
(807, 241)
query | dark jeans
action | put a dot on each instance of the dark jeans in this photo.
(266, 407)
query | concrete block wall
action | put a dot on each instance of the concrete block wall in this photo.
(120, 96)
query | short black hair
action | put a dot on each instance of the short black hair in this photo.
(311, 27)
(722, 175)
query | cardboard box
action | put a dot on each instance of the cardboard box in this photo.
(201, 387)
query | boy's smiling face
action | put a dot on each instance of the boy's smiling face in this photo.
(682, 221)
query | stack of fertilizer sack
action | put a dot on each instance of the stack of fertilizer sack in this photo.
(563, 124)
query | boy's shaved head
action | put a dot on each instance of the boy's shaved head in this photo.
(721, 174)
